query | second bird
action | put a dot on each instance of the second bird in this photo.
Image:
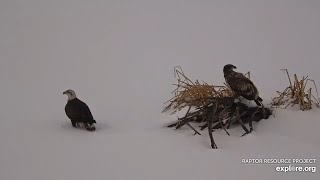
(78, 112)
(241, 85)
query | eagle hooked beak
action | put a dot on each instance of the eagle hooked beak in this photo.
(65, 92)
(234, 67)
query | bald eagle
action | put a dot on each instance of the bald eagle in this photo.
(241, 85)
(78, 112)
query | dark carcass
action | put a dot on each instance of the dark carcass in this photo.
(222, 113)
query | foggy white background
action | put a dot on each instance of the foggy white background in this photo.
(119, 55)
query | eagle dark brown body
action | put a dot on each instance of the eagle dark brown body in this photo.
(241, 85)
(78, 112)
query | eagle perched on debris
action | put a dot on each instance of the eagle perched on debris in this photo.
(78, 112)
(241, 85)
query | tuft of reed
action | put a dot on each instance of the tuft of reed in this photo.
(297, 93)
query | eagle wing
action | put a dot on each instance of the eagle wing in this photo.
(242, 85)
(78, 111)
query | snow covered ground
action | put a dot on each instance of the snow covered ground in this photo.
(119, 56)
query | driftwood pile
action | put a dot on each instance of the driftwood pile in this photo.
(213, 106)
(297, 94)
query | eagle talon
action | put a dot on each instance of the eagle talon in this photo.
(90, 127)
(74, 124)
(214, 146)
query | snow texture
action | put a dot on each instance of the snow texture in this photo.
(118, 56)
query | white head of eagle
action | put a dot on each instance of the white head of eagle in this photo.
(70, 93)
(78, 111)
(240, 84)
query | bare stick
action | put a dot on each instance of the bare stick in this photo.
(315, 86)
(248, 73)
(210, 118)
(288, 77)
(195, 131)
(186, 122)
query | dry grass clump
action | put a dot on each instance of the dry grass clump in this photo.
(194, 94)
(297, 94)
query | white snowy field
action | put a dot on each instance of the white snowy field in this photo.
(118, 56)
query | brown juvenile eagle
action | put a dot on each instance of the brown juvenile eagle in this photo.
(241, 85)
(78, 112)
